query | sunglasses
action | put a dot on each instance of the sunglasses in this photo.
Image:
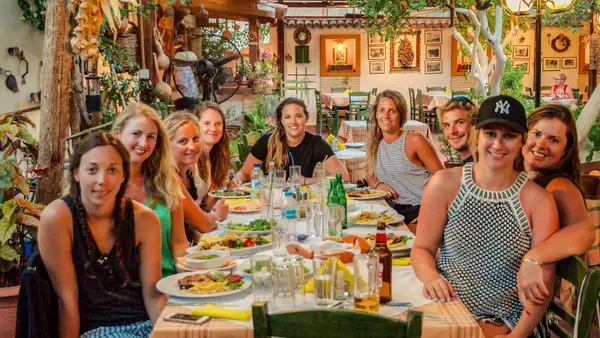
(462, 99)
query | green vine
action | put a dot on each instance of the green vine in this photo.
(34, 12)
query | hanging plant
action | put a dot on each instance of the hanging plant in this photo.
(34, 12)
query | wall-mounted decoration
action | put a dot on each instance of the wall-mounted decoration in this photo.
(550, 63)
(569, 63)
(433, 66)
(376, 67)
(340, 55)
(302, 35)
(433, 37)
(376, 39)
(433, 52)
(526, 63)
(405, 52)
(302, 54)
(561, 43)
(377, 52)
(520, 52)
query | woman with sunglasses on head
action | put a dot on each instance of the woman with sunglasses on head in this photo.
(184, 136)
(551, 159)
(398, 162)
(456, 118)
(560, 89)
(291, 143)
(154, 181)
(99, 247)
(483, 218)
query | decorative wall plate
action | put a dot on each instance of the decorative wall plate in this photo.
(561, 43)
(302, 35)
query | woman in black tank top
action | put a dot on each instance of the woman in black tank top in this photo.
(551, 158)
(102, 270)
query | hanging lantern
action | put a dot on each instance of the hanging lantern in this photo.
(236, 27)
(93, 96)
(227, 33)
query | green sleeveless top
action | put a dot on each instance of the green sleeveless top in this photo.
(164, 215)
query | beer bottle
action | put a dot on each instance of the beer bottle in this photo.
(332, 197)
(385, 264)
(341, 194)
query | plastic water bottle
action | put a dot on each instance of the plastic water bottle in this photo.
(289, 215)
(256, 180)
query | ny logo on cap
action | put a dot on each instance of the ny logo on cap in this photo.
(502, 107)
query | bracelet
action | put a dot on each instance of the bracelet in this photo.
(376, 185)
(532, 261)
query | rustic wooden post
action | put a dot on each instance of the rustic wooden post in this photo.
(281, 46)
(254, 33)
(147, 42)
(56, 90)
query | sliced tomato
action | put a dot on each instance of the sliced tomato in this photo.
(234, 279)
(248, 243)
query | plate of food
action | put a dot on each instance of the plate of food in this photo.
(204, 284)
(360, 194)
(231, 193)
(366, 217)
(355, 145)
(238, 245)
(181, 267)
(244, 208)
(256, 227)
(397, 241)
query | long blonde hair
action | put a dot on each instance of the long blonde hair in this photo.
(179, 119)
(158, 171)
(375, 133)
(277, 147)
(219, 154)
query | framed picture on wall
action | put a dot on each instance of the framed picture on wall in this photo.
(377, 52)
(433, 67)
(433, 37)
(376, 67)
(405, 52)
(550, 63)
(376, 39)
(525, 63)
(340, 55)
(520, 52)
(433, 52)
(569, 63)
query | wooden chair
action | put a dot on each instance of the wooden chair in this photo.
(413, 103)
(428, 117)
(374, 92)
(357, 102)
(577, 96)
(333, 121)
(436, 89)
(329, 322)
(338, 89)
(587, 282)
(250, 138)
(529, 91)
(364, 115)
(456, 93)
(321, 113)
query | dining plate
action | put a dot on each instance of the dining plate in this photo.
(366, 217)
(365, 232)
(365, 194)
(355, 145)
(238, 252)
(245, 208)
(247, 222)
(180, 266)
(226, 193)
(169, 286)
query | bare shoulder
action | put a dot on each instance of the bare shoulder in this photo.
(415, 137)
(563, 185)
(57, 214)
(143, 215)
(534, 196)
(447, 180)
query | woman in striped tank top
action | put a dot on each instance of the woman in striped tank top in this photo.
(398, 162)
(482, 219)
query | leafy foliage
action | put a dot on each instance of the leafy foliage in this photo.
(451, 154)
(34, 12)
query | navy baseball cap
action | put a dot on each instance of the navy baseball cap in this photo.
(502, 109)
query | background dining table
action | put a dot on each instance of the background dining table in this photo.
(432, 100)
(357, 131)
(341, 100)
(450, 319)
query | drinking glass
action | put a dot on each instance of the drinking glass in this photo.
(284, 291)
(295, 172)
(280, 177)
(280, 235)
(314, 215)
(324, 272)
(262, 277)
(297, 261)
(366, 288)
(334, 222)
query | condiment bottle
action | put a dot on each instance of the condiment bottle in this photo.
(385, 264)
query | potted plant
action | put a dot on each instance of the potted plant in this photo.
(452, 156)
(19, 217)
(264, 75)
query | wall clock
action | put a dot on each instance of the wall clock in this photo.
(302, 35)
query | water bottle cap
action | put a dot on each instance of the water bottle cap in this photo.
(288, 193)
(256, 165)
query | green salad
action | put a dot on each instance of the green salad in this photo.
(256, 225)
(206, 257)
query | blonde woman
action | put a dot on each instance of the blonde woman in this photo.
(291, 139)
(213, 165)
(560, 89)
(153, 180)
(184, 136)
(398, 162)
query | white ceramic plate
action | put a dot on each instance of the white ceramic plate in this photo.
(363, 231)
(242, 232)
(182, 268)
(239, 252)
(367, 198)
(214, 194)
(356, 145)
(169, 286)
(244, 211)
(396, 218)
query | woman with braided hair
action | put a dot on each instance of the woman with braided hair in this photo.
(100, 247)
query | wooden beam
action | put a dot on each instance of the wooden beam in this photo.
(253, 37)
(281, 46)
(147, 41)
(55, 110)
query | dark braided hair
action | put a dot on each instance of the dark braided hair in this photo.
(94, 140)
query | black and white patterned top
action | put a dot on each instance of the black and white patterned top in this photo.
(395, 169)
(485, 239)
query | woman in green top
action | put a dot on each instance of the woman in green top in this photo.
(153, 180)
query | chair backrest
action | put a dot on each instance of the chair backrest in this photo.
(412, 102)
(338, 89)
(324, 322)
(587, 282)
(358, 101)
(320, 116)
(374, 91)
(251, 138)
(577, 95)
(456, 93)
(234, 149)
(529, 91)
(419, 105)
(436, 89)
(332, 121)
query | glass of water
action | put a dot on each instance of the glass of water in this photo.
(280, 177)
(324, 271)
(262, 277)
(297, 261)
(280, 237)
(314, 217)
(295, 171)
(334, 222)
(284, 290)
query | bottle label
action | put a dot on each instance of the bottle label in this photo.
(380, 237)
(380, 276)
(289, 213)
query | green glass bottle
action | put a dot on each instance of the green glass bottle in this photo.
(341, 194)
(332, 197)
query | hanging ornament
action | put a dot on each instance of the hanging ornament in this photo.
(227, 33)
(236, 27)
